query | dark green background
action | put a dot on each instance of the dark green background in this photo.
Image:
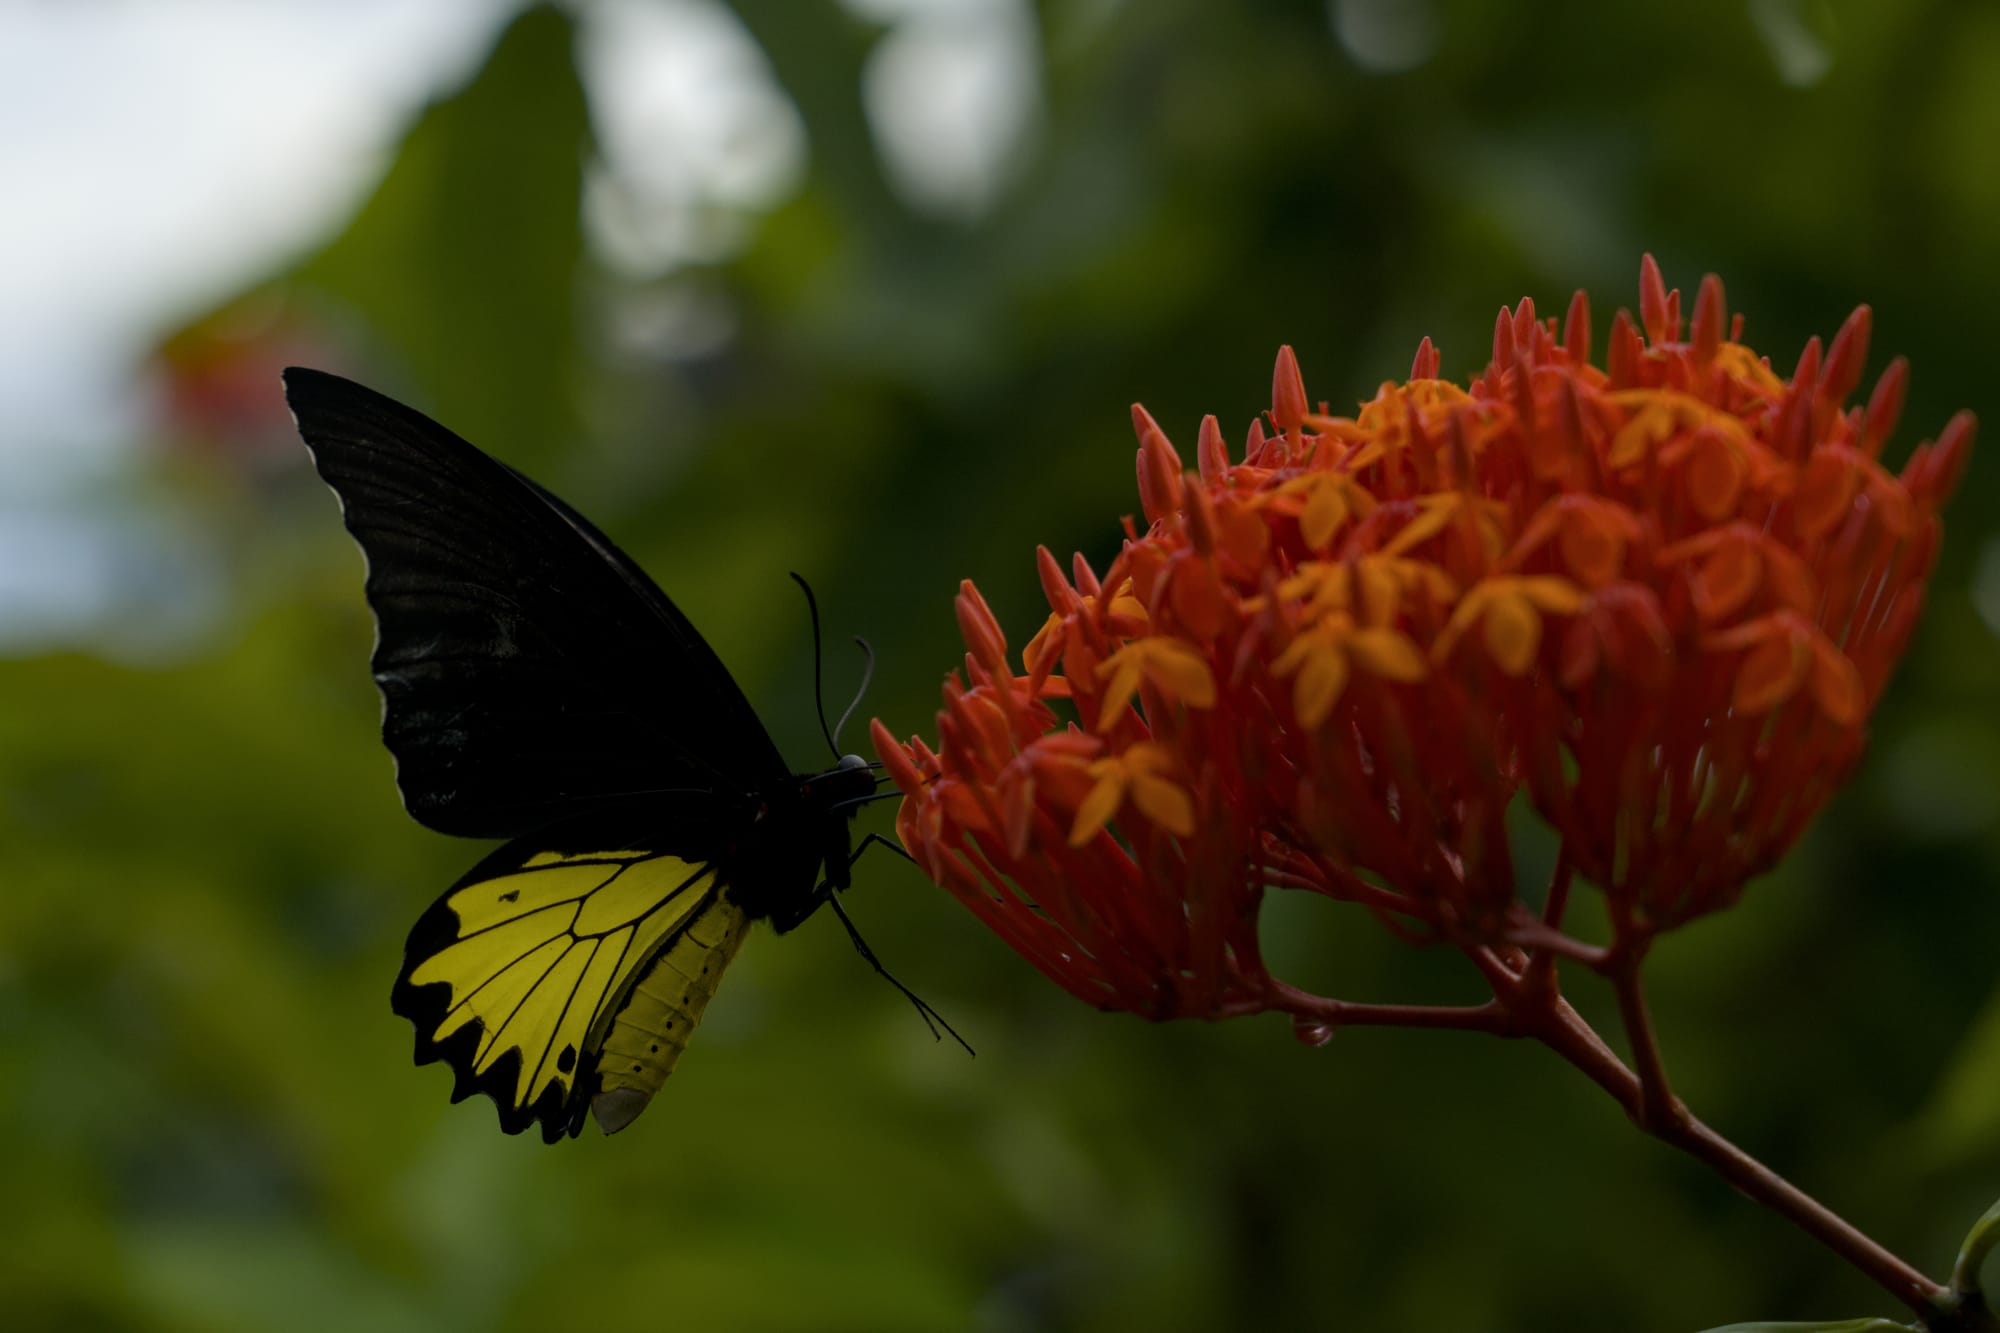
(209, 1117)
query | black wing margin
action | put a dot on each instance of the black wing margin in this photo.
(566, 973)
(529, 670)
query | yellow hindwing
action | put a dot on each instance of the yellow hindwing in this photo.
(560, 981)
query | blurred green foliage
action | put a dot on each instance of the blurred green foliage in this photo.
(211, 1119)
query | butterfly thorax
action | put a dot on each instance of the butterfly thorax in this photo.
(797, 848)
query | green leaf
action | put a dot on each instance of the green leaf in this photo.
(1979, 1243)
(463, 263)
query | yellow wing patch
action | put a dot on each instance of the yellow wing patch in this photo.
(555, 981)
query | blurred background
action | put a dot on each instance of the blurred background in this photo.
(864, 289)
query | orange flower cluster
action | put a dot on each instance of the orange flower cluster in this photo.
(1660, 597)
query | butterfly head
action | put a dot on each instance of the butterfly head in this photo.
(845, 785)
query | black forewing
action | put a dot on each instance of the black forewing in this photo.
(529, 670)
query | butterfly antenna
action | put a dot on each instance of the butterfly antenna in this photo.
(867, 674)
(812, 607)
(932, 1018)
(857, 802)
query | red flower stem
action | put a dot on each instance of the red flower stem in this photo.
(1503, 979)
(1657, 1104)
(1287, 867)
(1488, 1017)
(1558, 899)
(1351, 889)
(1547, 946)
(1541, 973)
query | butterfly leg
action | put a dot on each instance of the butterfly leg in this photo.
(932, 1018)
(880, 841)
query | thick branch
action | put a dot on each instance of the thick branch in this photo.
(1522, 1009)
(1564, 1031)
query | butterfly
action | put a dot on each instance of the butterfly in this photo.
(538, 687)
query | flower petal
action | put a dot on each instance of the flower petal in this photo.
(1726, 580)
(1319, 686)
(1435, 513)
(1836, 685)
(1324, 512)
(1558, 597)
(1180, 672)
(1163, 802)
(1513, 633)
(1381, 591)
(1123, 670)
(1714, 476)
(1650, 425)
(1297, 651)
(1771, 673)
(1097, 808)
(1146, 757)
(1592, 546)
(1388, 653)
(1825, 491)
(1196, 594)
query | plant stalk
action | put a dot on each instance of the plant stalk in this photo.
(1540, 1012)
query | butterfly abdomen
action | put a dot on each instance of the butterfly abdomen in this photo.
(650, 1031)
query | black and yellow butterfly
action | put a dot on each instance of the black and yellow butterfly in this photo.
(537, 686)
